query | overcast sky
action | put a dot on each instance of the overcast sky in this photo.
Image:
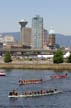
(56, 13)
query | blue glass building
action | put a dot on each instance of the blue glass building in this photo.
(37, 33)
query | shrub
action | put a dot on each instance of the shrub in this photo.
(58, 56)
(7, 57)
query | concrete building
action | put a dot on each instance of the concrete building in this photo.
(27, 37)
(1, 42)
(1, 39)
(45, 38)
(37, 32)
(23, 24)
(51, 38)
(9, 40)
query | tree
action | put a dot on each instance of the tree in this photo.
(69, 59)
(58, 56)
(7, 57)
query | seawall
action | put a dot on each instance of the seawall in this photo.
(66, 66)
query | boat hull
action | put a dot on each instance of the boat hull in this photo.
(2, 74)
(58, 76)
(34, 95)
(25, 82)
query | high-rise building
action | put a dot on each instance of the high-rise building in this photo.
(45, 37)
(51, 38)
(23, 24)
(27, 37)
(37, 32)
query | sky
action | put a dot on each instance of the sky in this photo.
(56, 13)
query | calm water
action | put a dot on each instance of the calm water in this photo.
(10, 82)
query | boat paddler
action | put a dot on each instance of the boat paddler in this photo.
(13, 93)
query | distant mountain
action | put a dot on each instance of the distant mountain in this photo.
(15, 34)
(62, 40)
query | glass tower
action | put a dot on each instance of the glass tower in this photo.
(37, 33)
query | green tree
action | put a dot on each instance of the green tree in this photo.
(7, 57)
(69, 59)
(58, 56)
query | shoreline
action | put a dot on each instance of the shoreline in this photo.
(64, 66)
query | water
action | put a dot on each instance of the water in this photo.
(10, 82)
